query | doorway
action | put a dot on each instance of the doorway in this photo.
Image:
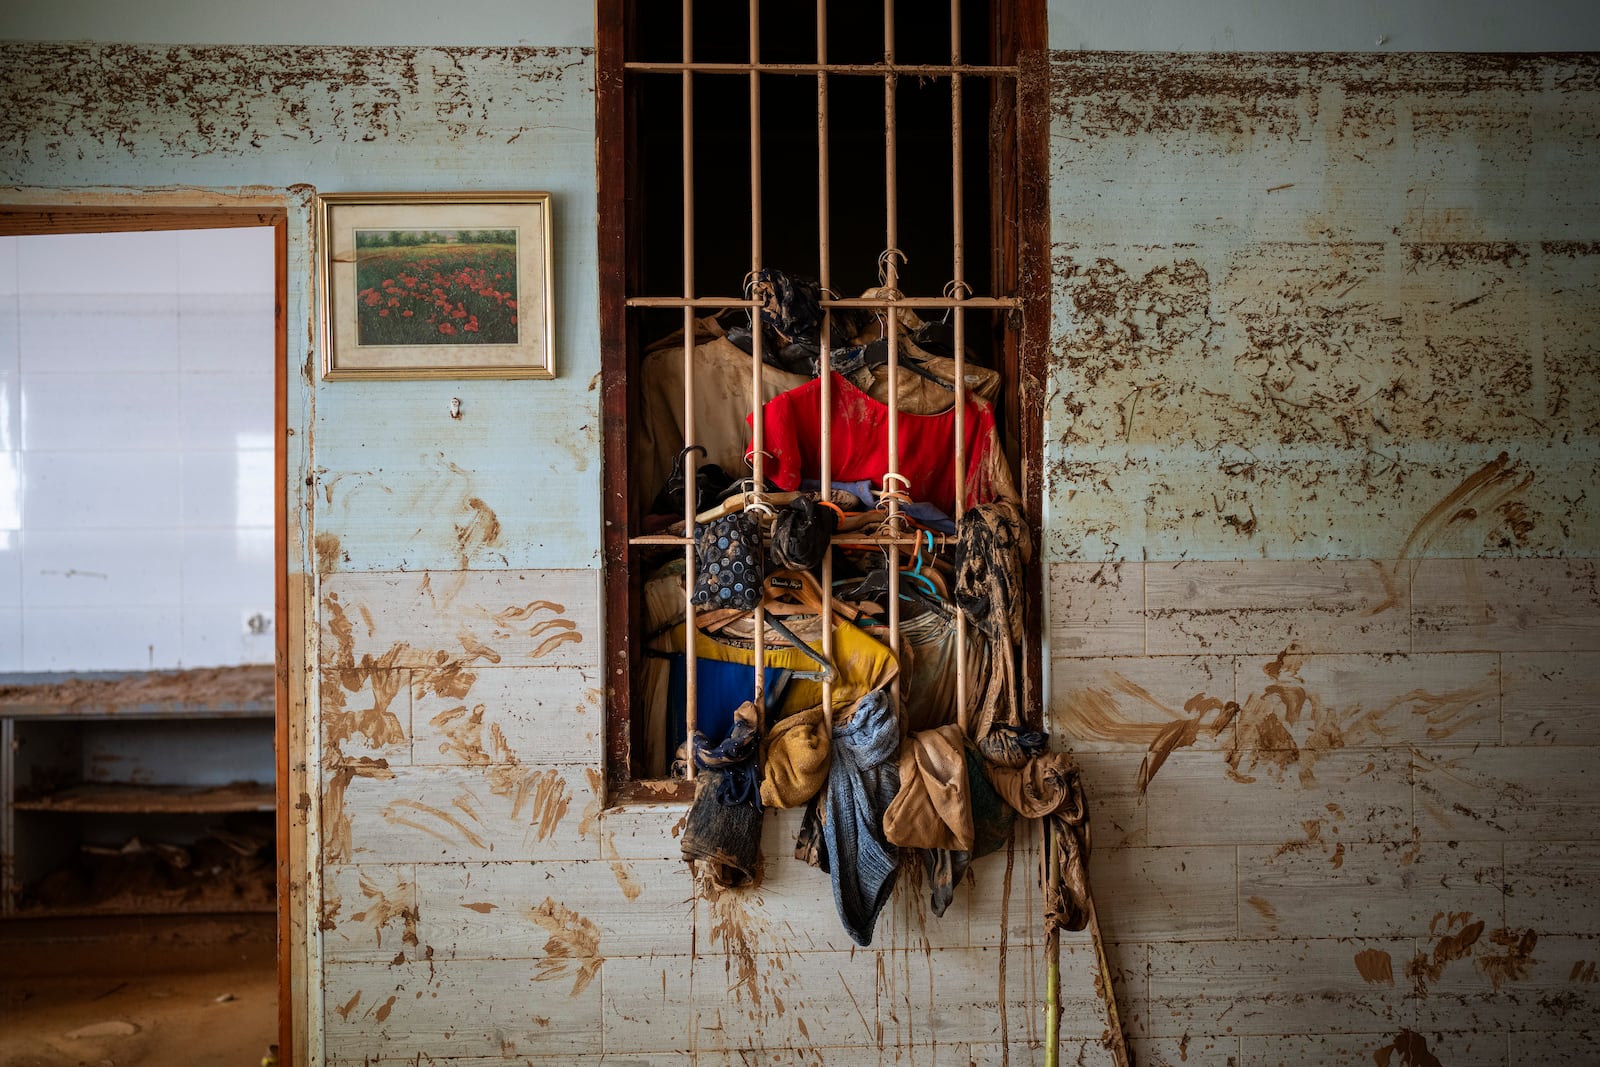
(142, 678)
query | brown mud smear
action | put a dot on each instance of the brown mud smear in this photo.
(1422, 969)
(573, 940)
(1410, 1047)
(1512, 963)
(1375, 965)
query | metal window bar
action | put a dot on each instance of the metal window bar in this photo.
(955, 302)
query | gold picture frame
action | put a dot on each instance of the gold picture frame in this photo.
(435, 285)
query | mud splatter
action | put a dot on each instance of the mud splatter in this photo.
(410, 813)
(550, 644)
(1451, 947)
(1512, 962)
(1492, 486)
(1410, 1047)
(739, 931)
(1375, 965)
(482, 907)
(349, 1006)
(482, 530)
(1584, 971)
(383, 908)
(463, 736)
(542, 795)
(336, 844)
(1268, 913)
(383, 1009)
(573, 940)
(329, 553)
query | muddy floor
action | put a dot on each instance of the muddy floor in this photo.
(120, 993)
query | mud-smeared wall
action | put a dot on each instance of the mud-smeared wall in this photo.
(467, 897)
(1322, 544)
(1321, 552)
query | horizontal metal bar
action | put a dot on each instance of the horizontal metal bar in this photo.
(848, 540)
(880, 69)
(924, 302)
(691, 302)
(1005, 302)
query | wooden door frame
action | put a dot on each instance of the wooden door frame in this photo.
(129, 214)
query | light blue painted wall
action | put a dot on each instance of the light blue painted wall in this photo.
(390, 467)
(560, 23)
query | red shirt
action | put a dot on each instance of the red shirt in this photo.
(792, 424)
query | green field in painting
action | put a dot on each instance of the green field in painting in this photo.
(430, 294)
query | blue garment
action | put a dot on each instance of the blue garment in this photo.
(719, 689)
(863, 778)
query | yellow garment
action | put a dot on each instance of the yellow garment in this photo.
(795, 760)
(934, 806)
(863, 665)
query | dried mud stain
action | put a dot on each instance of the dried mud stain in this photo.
(384, 907)
(1450, 947)
(330, 553)
(1375, 965)
(1492, 489)
(542, 795)
(336, 843)
(1287, 725)
(739, 932)
(464, 736)
(438, 823)
(574, 940)
(1412, 1049)
(481, 530)
(1513, 961)
(1268, 913)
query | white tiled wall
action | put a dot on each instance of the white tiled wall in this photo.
(136, 376)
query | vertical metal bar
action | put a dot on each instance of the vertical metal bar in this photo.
(958, 268)
(825, 372)
(691, 630)
(892, 332)
(758, 439)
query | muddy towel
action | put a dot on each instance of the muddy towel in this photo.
(723, 830)
(861, 782)
(1048, 787)
(991, 548)
(933, 808)
(796, 762)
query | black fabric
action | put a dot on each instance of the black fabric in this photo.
(724, 838)
(710, 482)
(723, 829)
(728, 563)
(800, 534)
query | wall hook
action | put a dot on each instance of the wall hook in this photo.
(455, 407)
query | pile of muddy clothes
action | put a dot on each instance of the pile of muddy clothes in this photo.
(899, 763)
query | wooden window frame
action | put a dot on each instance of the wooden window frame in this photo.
(1021, 267)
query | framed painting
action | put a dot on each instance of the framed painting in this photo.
(435, 285)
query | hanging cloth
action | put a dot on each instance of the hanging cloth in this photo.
(723, 828)
(862, 780)
(991, 548)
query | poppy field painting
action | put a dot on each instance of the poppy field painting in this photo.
(429, 287)
(436, 285)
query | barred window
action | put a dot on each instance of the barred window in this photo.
(823, 247)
